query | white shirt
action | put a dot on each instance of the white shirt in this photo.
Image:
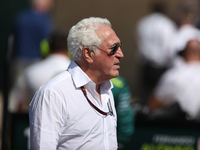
(181, 84)
(61, 118)
(154, 37)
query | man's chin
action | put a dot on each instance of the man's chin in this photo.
(116, 74)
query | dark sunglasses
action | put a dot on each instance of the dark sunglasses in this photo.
(115, 48)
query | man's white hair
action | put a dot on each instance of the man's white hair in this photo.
(84, 34)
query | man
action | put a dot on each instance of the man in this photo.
(56, 62)
(40, 72)
(75, 109)
(180, 84)
(31, 26)
(186, 26)
(154, 33)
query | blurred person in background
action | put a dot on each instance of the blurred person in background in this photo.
(186, 12)
(154, 33)
(125, 115)
(75, 109)
(185, 19)
(40, 72)
(181, 83)
(31, 26)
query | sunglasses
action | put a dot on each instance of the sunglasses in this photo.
(113, 49)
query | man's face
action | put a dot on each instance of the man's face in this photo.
(44, 5)
(106, 65)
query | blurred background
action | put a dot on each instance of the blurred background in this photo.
(124, 16)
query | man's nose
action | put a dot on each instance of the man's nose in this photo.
(119, 53)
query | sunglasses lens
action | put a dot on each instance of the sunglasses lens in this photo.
(114, 49)
(120, 45)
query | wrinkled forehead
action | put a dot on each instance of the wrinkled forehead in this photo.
(107, 34)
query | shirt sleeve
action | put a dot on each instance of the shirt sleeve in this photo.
(46, 120)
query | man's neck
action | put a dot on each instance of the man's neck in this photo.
(91, 73)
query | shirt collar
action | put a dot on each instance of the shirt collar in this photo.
(81, 79)
(78, 76)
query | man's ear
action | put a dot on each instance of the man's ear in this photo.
(88, 54)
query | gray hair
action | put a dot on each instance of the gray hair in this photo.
(84, 34)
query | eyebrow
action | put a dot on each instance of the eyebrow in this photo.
(115, 44)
